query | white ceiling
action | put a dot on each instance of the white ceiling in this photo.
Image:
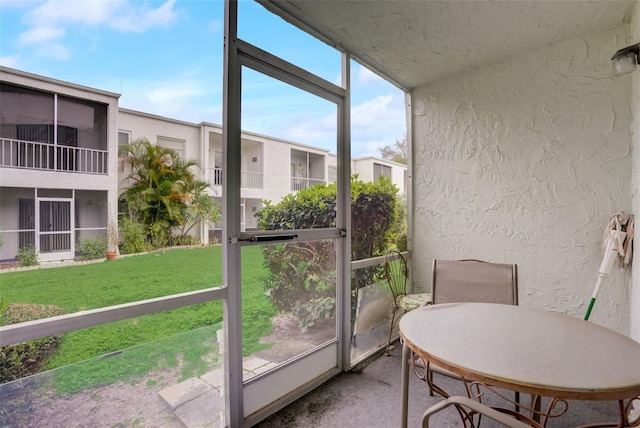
(416, 42)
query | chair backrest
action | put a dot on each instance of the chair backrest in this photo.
(474, 281)
(395, 271)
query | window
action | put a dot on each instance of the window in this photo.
(381, 170)
(173, 144)
(123, 137)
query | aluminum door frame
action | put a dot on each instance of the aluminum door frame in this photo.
(239, 54)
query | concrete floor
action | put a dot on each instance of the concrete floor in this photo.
(370, 397)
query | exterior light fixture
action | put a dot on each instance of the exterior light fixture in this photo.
(626, 60)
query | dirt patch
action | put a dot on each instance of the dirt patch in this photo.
(133, 404)
(286, 329)
(289, 340)
(9, 265)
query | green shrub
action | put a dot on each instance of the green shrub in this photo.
(180, 240)
(302, 274)
(92, 248)
(24, 359)
(134, 237)
(160, 233)
(401, 241)
(308, 313)
(28, 256)
(399, 230)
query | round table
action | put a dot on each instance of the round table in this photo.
(523, 349)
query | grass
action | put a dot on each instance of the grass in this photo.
(189, 354)
(77, 288)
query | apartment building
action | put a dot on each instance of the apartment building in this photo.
(270, 168)
(60, 177)
(58, 164)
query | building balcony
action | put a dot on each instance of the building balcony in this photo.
(299, 183)
(50, 157)
(248, 180)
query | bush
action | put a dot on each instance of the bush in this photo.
(25, 359)
(302, 274)
(92, 248)
(134, 237)
(316, 309)
(180, 240)
(401, 242)
(28, 256)
(160, 233)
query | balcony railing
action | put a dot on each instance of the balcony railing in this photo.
(248, 180)
(43, 156)
(299, 183)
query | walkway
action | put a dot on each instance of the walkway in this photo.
(195, 400)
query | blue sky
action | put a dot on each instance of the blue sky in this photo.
(165, 58)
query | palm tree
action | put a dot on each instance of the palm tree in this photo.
(164, 191)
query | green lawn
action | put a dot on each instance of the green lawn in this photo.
(129, 279)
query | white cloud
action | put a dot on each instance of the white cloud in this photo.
(377, 122)
(49, 21)
(366, 76)
(378, 113)
(172, 91)
(187, 97)
(54, 51)
(12, 61)
(73, 12)
(41, 35)
(141, 19)
(321, 131)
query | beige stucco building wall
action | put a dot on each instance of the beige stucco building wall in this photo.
(523, 162)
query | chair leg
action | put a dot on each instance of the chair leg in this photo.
(393, 318)
(430, 377)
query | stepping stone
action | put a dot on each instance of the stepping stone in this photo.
(183, 392)
(203, 411)
(214, 378)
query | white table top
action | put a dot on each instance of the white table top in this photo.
(525, 349)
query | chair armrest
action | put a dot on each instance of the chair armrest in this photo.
(476, 407)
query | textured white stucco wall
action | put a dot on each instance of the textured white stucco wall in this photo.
(523, 162)
(634, 329)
